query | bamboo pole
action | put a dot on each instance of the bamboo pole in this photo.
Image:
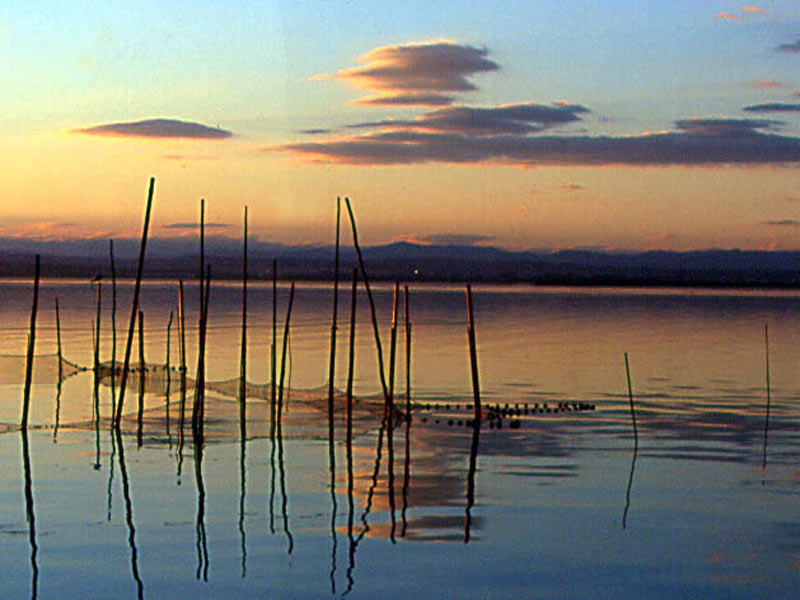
(243, 354)
(113, 328)
(168, 373)
(393, 347)
(379, 349)
(630, 399)
(332, 360)
(134, 306)
(182, 332)
(142, 378)
(473, 355)
(349, 405)
(58, 342)
(331, 375)
(273, 349)
(769, 394)
(198, 412)
(98, 303)
(26, 397)
(407, 461)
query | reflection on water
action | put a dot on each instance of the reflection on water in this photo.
(305, 497)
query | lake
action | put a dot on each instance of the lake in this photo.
(553, 496)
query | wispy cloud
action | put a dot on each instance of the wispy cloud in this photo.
(508, 118)
(194, 226)
(693, 142)
(416, 74)
(449, 239)
(48, 231)
(773, 107)
(791, 48)
(572, 187)
(754, 10)
(727, 16)
(783, 223)
(766, 84)
(157, 128)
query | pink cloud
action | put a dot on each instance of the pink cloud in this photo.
(416, 74)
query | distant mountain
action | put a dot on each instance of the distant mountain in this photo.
(178, 257)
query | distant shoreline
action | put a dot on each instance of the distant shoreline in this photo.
(172, 260)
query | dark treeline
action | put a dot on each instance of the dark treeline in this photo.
(432, 263)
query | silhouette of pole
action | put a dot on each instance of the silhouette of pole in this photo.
(26, 397)
(134, 306)
(473, 355)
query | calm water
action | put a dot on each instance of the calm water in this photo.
(552, 504)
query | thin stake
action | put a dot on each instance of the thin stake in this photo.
(134, 306)
(167, 369)
(769, 394)
(98, 303)
(198, 412)
(26, 398)
(630, 398)
(407, 462)
(182, 331)
(243, 355)
(379, 349)
(142, 375)
(113, 328)
(393, 347)
(331, 374)
(273, 349)
(58, 341)
(473, 356)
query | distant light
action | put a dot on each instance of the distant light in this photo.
(416, 271)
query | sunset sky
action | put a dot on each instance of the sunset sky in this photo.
(615, 124)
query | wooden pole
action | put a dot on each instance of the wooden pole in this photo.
(58, 341)
(142, 377)
(113, 328)
(408, 352)
(273, 349)
(98, 302)
(332, 360)
(473, 356)
(182, 332)
(198, 412)
(393, 346)
(134, 306)
(349, 406)
(243, 354)
(630, 399)
(379, 349)
(769, 394)
(26, 397)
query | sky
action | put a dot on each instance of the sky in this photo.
(617, 124)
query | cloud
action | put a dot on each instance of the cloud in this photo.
(773, 107)
(725, 127)
(413, 99)
(754, 10)
(693, 142)
(195, 226)
(157, 128)
(315, 131)
(572, 187)
(507, 118)
(452, 239)
(416, 74)
(783, 223)
(765, 84)
(792, 48)
(727, 16)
